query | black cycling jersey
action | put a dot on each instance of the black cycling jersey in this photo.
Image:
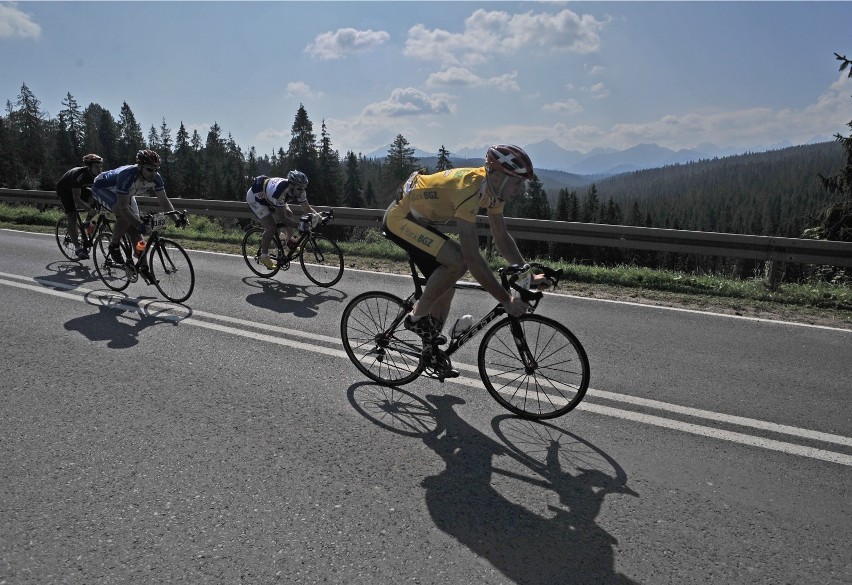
(76, 178)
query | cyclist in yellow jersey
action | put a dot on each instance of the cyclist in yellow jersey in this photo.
(457, 194)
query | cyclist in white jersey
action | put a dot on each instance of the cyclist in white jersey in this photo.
(269, 199)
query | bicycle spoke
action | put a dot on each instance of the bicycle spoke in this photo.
(387, 357)
(525, 369)
(172, 270)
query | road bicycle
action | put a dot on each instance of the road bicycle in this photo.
(169, 265)
(319, 256)
(66, 243)
(531, 365)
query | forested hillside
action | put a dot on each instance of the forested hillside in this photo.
(775, 193)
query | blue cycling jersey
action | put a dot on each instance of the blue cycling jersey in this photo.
(126, 179)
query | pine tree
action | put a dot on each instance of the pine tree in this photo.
(302, 151)
(10, 164)
(400, 160)
(28, 124)
(71, 120)
(130, 139)
(327, 191)
(591, 206)
(835, 222)
(444, 162)
(213, 178)
(352, 186)
(166, 154)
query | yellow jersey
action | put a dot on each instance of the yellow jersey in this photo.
(450, 194)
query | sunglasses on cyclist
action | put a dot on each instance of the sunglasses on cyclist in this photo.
(151, 169)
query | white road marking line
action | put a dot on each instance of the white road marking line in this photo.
(193, 319)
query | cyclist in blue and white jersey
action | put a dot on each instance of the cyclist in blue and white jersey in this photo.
(117, 190)
(269, 199)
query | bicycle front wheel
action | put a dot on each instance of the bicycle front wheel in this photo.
(172, 270)
(321, 260)
(377, 343)
(534, 367)
(251, 253)
(63, 239)
(112, 274)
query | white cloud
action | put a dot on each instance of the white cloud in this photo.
(300, 89)
(17, 24)
(569, 106)
(486, 33)
(274, 135)
(464, 77)
(753, 127)
(598, 90)
(338, 44)
(409, 102)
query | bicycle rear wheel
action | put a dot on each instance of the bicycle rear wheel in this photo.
(63, 239)
(114, 275)
(251, 252)
(321, 260)
(172, 270)
(534, 367)
(377, 343)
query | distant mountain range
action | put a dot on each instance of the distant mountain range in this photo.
(600, 162)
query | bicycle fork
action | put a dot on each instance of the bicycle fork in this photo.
(527, 358)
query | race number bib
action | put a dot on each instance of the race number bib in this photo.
(158, 221)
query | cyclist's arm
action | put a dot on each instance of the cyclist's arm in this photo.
(164, 200)
(306, 208)
(124, 208)
(508, 247)
(476, 264)
(503, 239)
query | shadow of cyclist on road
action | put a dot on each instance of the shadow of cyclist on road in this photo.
(119, 320)
(565, 546)
(282, 297)
(67, 275)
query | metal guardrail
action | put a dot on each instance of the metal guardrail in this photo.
(766, 248)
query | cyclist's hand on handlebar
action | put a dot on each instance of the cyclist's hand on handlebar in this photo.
(180, 220)
(516, 307)
(540, 282)
(316, 218)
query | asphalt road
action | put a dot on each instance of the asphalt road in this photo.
(229, 440)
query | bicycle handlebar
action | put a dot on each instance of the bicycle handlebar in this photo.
(511, 274)
(148, 218)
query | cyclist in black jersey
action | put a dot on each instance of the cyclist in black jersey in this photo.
(74, 193)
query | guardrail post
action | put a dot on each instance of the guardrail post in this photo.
(772, 275)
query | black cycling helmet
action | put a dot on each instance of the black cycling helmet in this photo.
(91, 159)
(147, 157)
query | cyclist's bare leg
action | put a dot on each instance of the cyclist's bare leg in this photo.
(122, 224)
(268, 223)
(438, 293)
(286, 217)
(73, 230)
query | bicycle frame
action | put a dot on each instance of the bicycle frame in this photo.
(100, 221)
(455, 344)
(292, 253)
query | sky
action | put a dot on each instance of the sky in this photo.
(585, 75)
